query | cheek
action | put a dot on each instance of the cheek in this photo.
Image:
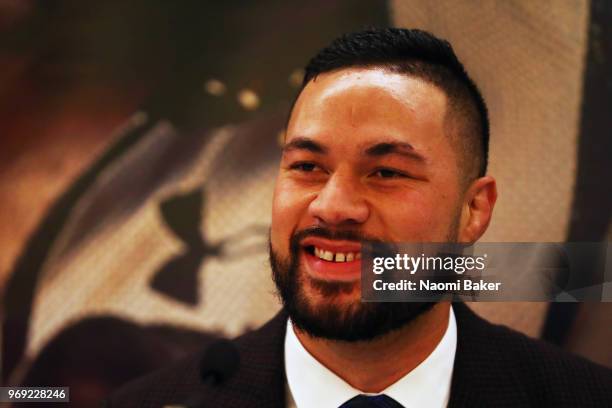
(288, 208)
(422, 217)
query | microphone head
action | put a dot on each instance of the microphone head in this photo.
(220, 361)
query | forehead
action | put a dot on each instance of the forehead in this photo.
(369, 103)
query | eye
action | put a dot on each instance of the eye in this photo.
(388, 174)
(303, 166)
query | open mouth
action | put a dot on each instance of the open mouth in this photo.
(331, 256)
(332, 260)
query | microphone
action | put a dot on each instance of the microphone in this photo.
(219, 362)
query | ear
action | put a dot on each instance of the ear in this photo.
(477, 209)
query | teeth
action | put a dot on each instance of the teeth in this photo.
(336, 257)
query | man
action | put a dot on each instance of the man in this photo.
(387, 141)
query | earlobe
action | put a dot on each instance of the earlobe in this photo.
(478, 209)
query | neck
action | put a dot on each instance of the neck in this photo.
(374, 365)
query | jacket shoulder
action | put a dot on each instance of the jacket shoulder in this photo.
(503, 364)
(258, 375)
(556, 377)
(170, 384)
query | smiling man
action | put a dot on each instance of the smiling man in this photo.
(386, 142)
(376, 149)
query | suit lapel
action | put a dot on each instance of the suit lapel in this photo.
(260, 381)
(484, 375)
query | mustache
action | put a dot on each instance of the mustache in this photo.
(322, 232)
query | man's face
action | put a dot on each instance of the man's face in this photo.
(366, 157)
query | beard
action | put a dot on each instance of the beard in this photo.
(354, 321)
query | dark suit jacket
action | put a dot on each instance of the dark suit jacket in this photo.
(494, 367)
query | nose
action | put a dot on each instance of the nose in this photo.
(339, 202)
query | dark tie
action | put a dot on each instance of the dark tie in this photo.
(371, 401)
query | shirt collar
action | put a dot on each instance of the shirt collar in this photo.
(311, 384)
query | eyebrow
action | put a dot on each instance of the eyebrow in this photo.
(377, 150)
(304, 143)
(388, 148)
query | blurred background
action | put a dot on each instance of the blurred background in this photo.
(139, 144)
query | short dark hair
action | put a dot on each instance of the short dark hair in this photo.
(420, 54)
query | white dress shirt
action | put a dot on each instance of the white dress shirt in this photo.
(312, 385)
